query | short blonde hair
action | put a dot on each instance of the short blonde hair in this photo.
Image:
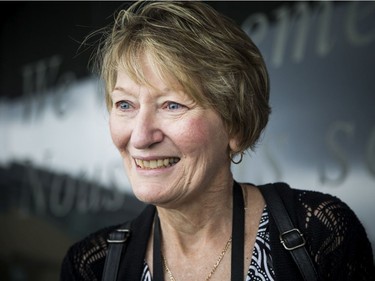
(210, 56)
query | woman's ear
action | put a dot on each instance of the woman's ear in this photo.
(233, 145)
(234, 151)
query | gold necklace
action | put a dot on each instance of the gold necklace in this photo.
(169, 272)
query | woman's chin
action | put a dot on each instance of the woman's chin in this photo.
(149, 197)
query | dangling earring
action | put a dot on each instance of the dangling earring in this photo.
(238, 161)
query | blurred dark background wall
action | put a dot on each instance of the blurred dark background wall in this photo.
(60, 176)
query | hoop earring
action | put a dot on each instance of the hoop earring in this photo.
(238, 161)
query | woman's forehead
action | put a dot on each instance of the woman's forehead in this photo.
(146, 70)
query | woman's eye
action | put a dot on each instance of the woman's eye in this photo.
(174, 106)
(123, 105)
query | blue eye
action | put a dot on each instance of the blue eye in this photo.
(123, 105)
(173, 106)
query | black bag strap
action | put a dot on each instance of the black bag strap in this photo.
(132, 236)
(116, 242)
(290, 236)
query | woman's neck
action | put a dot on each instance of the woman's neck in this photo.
(207, 220)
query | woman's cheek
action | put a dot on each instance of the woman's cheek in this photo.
(205, 132)
(196, 131)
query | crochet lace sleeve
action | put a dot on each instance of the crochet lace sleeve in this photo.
(338, 242)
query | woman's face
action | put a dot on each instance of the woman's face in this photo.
(173, 149)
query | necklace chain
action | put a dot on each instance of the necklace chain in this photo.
(171, 277)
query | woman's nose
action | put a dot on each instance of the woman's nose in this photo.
(146, 131)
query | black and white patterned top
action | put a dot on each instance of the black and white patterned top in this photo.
(260, 268)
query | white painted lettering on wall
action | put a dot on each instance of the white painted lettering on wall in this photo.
(295, 24)
(41, 77)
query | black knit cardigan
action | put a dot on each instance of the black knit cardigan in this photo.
(335, 239)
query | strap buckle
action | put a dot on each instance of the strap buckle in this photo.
(119, 236)
(292, 239)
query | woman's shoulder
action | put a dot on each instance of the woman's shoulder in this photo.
(326, 218)
(335, 236)
(97, 240)
(85, 258)
(311, 200)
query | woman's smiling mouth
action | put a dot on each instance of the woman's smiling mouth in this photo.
(156, 163)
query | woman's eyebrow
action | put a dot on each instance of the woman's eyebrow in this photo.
(157, 92)
(122, 90)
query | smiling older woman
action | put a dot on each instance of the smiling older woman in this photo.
(187, 91)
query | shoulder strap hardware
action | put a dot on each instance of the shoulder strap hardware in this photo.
(119, 235)
(292, 239)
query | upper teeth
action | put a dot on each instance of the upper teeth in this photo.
(158, 163)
